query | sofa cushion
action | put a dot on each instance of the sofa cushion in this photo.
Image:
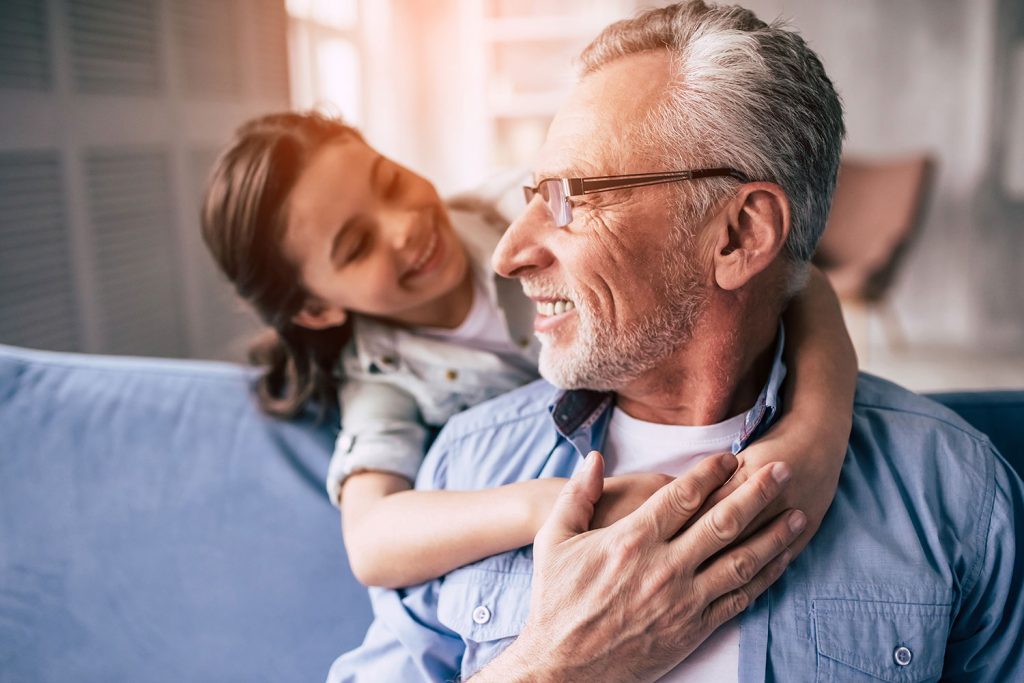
(154, 525)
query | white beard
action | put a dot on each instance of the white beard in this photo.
(605, 358)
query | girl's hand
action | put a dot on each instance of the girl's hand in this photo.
(624, 494)
(815, 464)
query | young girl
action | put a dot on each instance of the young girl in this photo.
(381, 294)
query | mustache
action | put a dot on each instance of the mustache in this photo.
(537, 288)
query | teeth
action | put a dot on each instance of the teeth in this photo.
(426, 254)
(554, 307)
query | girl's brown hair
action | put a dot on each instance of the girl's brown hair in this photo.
(243, 220)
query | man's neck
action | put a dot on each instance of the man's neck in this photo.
(708, 380)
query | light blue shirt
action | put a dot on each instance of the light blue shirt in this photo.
(913, 575)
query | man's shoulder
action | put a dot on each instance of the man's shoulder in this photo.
(921, 446)
(500, 440)
(528, 402)
(883, 405)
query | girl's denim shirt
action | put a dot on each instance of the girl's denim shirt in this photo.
(398, 385)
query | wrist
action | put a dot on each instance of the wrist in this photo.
(542, 496)
(520, 663)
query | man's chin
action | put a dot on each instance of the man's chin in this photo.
(556, 369)
(571, 373)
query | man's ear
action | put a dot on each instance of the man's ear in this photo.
(318, 315)
(754, 231)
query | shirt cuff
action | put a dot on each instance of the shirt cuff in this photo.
(391, 453)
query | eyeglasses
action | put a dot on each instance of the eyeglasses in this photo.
(557, 192)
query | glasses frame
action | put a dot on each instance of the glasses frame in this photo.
(578, 187)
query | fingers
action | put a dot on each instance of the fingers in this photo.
(724, 523)
(675, 503)
(574, 507)
(734, 603)
(741, 474)
(738, 566)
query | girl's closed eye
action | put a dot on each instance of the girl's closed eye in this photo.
(360, 246)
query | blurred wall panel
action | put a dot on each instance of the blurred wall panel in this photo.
(111, 113)
(931, 75)
(37, 304)
(24, 45)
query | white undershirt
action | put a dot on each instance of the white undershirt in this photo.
(632, 445)
(482, 329)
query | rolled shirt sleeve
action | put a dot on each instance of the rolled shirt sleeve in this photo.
(381, 430)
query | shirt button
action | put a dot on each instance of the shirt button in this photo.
(524, 341)
(481, 615)
(387, 360)
(451, 375)
(902, 655)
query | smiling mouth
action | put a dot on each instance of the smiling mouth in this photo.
(425, 257)
(551, 308)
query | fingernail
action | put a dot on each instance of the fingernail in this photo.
(786, 556)
(588, 463)
(780, 472)
(797, 521)
(728, 462)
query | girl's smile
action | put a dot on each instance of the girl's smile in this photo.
(371, 237)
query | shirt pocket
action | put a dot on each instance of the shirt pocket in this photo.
(864, 640)
(487, 609)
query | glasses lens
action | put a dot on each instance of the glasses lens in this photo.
(554, 197)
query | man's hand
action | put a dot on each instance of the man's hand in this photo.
(631, 601)
(624, 494)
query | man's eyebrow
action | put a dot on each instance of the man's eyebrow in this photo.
(570, 172)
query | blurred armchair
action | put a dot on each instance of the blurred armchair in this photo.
(876, 211)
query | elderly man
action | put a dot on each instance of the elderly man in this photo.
(679, 196)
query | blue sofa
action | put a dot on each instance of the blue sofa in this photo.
(154, 526)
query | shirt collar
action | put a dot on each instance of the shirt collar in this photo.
(581, 415)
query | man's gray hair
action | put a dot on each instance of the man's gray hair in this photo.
(745, 94)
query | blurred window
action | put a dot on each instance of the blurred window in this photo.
(325, 46)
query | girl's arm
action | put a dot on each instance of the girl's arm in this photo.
(395, 536)
(812, 435)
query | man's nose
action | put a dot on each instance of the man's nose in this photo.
(522, 248)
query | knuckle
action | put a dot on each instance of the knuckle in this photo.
(739, 602)
(683, 499)
(725, 525)
(630, 544)
(661, 576)
(743, 566)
